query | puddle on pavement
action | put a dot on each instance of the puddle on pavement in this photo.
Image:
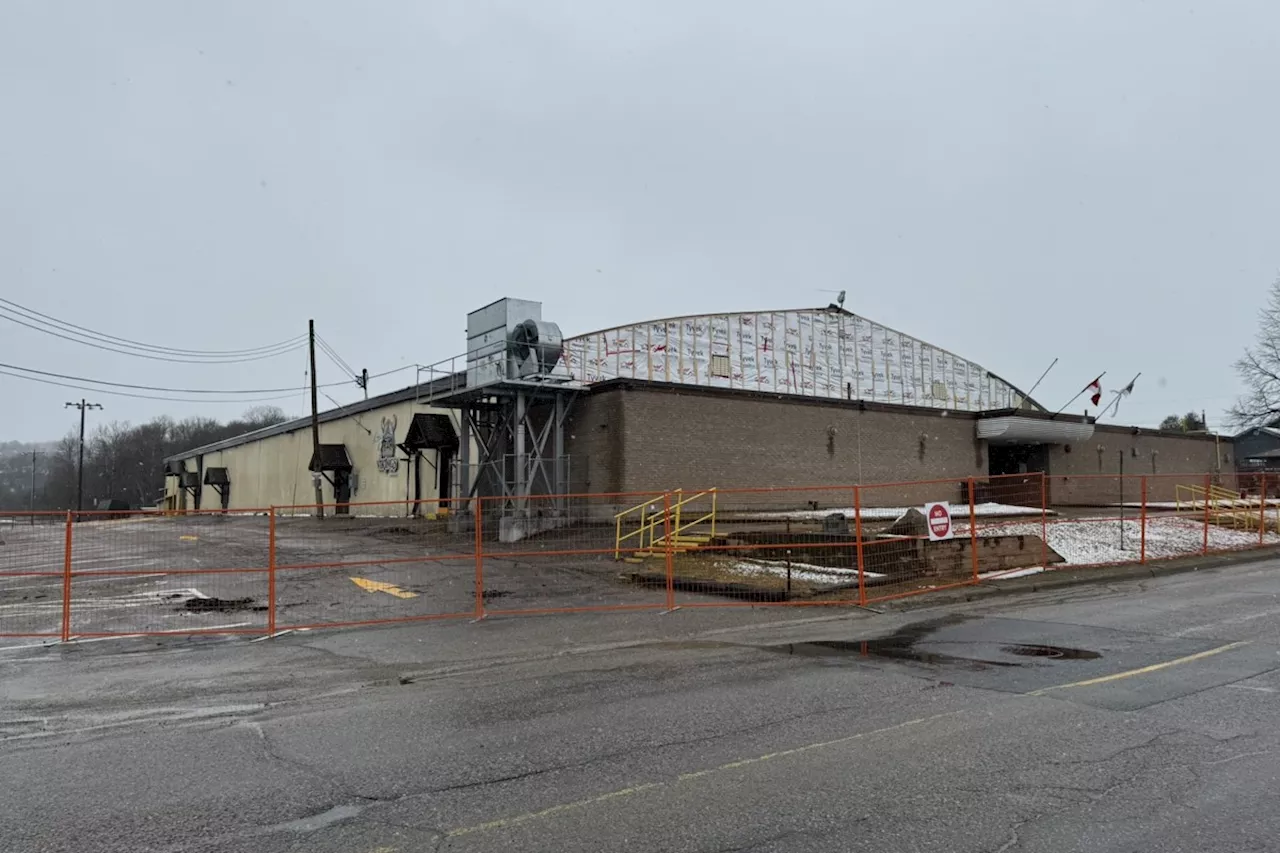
(916, 643)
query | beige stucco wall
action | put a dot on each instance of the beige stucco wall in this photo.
(273, 471)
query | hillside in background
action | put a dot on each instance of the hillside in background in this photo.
(121, 461)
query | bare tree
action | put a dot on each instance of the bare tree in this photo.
(121, 461)
(1259, 369)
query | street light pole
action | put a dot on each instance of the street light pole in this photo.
(83, 406)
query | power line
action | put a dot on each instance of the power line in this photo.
(335, 358)
(152, 357)
(332, 351)
(83, 331)
(178, 390)
(145, 396)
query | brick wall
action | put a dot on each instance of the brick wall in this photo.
(698, 438)
(1165, 459)
(593, 441)
(650, 437)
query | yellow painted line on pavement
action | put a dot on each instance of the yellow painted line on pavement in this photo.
(1155, 667)
(505, 822)
(381, 586)
(188, 538)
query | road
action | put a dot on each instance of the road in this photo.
(1130, 716)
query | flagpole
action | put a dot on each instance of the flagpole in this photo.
(1041, 379)
(1078, 393)
(1114, 406)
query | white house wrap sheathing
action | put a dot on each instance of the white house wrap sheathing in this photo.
(812, 353)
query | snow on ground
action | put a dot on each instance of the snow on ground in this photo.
(1240, 503)
(799, 571)
(1007, 574)
(1092, 541)
(893, 513)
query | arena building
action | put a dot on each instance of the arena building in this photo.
(802, 397)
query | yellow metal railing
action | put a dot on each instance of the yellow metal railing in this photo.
(648, 518)
(1221, 506)
(646, 534)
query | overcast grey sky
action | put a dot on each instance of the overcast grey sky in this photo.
(1013, 181)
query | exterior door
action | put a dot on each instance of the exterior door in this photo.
(342, 492)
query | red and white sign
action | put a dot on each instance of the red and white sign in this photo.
(939, 517)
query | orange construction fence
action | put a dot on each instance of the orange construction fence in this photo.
(104, 574)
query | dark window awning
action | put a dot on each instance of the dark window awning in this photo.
(333, 457)
(430, 431)
(216, 477)
(190, 480)
(174, 469)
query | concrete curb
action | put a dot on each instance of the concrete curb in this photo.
(1062, 578)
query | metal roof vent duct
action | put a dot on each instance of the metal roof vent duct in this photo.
(534, 348)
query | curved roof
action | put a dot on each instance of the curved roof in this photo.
(822, 352)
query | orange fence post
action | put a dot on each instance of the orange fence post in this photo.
(66, 583)
(973, 531)
(669, 550)
(271, 572)
(1262, 508)
(1044, 521)
(478, 513)
(857, 528)
(1142, 538)
(1204, 549)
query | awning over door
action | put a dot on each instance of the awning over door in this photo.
(430, 431)
(1015, 429)
(333, 457)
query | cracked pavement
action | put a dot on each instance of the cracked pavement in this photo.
(736, 730)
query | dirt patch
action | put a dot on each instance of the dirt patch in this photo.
(717, 575)
(221, 605)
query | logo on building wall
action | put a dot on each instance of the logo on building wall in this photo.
(386, 441)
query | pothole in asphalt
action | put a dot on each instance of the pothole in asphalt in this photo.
(220, 605)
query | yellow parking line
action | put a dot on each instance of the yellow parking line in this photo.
(1143, 670)
(502, 823)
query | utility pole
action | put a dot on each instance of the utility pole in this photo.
(315, 423)
(31, 503)
(83, 406)
(1121, 499)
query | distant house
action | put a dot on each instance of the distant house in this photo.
(1258, 449)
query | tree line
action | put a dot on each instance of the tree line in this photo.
(122, 461)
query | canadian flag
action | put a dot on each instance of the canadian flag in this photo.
(1094, 389)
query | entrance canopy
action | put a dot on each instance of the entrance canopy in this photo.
(333, 457)
(430, 431)
(1018, 429)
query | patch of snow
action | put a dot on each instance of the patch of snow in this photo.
(892, 513)
(1095, 541)
(1007, 574)
(1238, 503)
(800, 571)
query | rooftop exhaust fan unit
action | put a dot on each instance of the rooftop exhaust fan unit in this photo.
(534, 348)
